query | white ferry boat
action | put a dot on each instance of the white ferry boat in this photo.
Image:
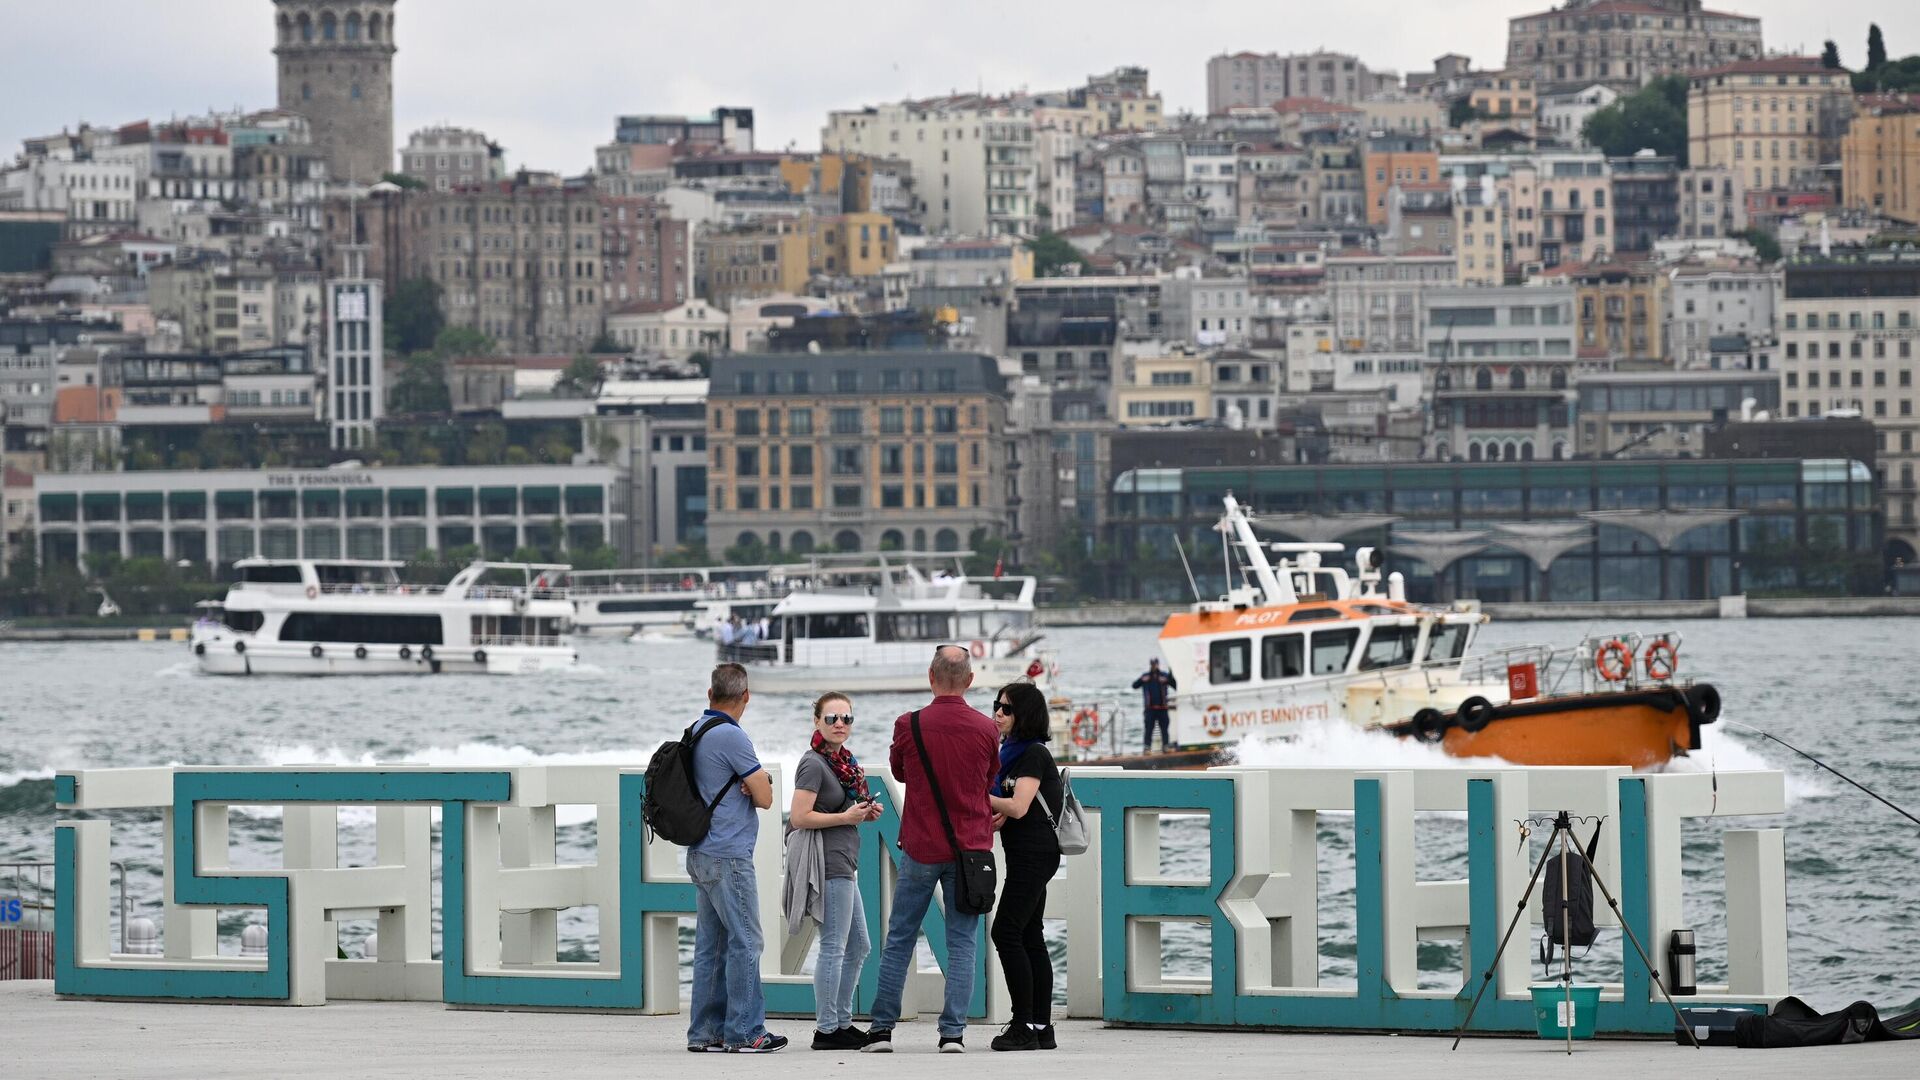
(1304, 643)
(653, 601)
(875, 628)
(355, 617)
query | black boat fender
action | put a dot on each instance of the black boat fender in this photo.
(1475, 713)
(1428, 725)
(1703, 703)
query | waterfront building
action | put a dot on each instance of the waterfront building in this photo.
(222, 516)
(857, 451)
(336, 69)
(1880, 157)
(1501, 366)
(1666, 414)
(1625, 44)
(1651, 530)
(1848, 334)
(447, 157)
(1775, 121)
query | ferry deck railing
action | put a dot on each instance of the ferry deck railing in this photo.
(43, 896)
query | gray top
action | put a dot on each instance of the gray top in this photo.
(842, 842)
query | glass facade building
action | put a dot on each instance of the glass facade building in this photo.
(1633, 530)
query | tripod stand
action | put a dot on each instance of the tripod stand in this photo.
(1563, 835)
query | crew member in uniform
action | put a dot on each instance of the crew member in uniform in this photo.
(1153, 687)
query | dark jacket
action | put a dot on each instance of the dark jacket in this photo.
(1153, 687)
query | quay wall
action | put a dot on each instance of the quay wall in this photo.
(1143, 614)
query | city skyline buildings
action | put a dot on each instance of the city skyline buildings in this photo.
(547, 91)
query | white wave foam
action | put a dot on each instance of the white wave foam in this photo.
(185, 669)
(9, 779)
(1340, 745)
(1724, 748)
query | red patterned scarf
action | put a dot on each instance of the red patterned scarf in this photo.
(846, 768)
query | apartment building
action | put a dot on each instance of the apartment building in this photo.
(1392, 163)
(1501, 362)
(856, 451)
(1880, 157)
(220, 304)
(748, 261)
(1709, 301)
(1625, 44)
(1848, 331)
(445, 157)
(1663, 414)
(1713, 203)
(973, 159)
(1774, 121)
(1619, 308)
(1377, 300)
(1158, 388)
(1249, 79)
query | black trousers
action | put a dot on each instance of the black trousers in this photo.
(1160, 717)
(1018, 936)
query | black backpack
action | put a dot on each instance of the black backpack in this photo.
(1579, 894)
(674, 808)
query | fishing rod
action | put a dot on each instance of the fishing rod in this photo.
(1876, 795)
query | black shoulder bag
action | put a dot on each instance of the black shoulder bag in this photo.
(974, 869)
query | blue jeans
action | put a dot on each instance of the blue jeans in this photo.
(843, 952)
(728, 1004)
(911, 898)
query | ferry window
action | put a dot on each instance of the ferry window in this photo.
(361, 629)
(276, 575)
(244, 621)
(913, 626)
(1447, 642)
(1390, 646)
(1313, 613)
(1331, 650)
(850, 625)
(1283, 656)
(1230, 661)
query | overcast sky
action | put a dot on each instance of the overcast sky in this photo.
(546, 77)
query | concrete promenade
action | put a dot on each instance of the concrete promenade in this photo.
(43, 1037)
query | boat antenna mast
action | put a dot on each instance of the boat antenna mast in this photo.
(1238, 525)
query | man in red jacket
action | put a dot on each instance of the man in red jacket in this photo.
(964, 746)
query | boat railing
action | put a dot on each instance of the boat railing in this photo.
(860, 652)
(548, 641)
(383, 588)
(515, 592)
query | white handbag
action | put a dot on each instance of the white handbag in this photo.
(1070, 824)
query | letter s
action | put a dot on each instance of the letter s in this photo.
(10, 911)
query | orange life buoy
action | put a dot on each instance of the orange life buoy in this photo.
(1662, 658)
(1614, 660)
(978, 648)
(1086, 727)
(312, 591)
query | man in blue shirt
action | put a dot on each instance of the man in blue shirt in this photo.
(729, 1009)
(1153, 687)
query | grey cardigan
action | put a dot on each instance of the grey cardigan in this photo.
(804, 894)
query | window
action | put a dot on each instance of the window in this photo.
(848, 461)
(846, 381)
(946, 458)
(1230, 661)
(846, 497)
(893, 420)
(837, 625)
(362, 629)
(846, 421)
(1283, 656)
(747, 460)
(799, 421)
(800, 461)
(892, 460)
(746, 421)
(946, 419)
(747, 498)
(1390, 646)
(800, 498)
(1448, 642)
(1331, 650)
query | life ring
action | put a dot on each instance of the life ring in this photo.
(978, 649)
(1086, 727)
(406, 652)
(1662, 658)
(479, 656)
(313, 591)
(1429, 725)
(426, 652)
(316, 652)
(359, 652)
(1614, 661)
(1475, 713)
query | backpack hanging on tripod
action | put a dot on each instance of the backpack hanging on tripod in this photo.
(1579, 897)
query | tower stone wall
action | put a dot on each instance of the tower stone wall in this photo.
(336, 69)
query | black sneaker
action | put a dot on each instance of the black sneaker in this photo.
(953, 1044)
(767, 1043)
(1016, 1036)
(1045, 1038)
(846, 1038)
(854, 1036)
(878, 1042)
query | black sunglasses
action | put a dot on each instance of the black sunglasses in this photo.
(1003, 706)
(837, 718)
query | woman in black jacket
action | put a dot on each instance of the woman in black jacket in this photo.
(1027, 778)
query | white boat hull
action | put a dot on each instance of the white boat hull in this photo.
(877, 678)
(219, 657)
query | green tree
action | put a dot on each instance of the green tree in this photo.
(1651, 118)
(403, 181)
(581, 378)
(421, 386)
(487, 445)
(605, 345)
(412, 317)
(454, 342)
(701, 362)
(1876, 47)
(1052, 253)
(1765, 244)
(1830, 56)
(1460, 112)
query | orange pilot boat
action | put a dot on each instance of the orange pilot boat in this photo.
(1302, 643)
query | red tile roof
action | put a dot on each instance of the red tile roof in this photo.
(16, 478)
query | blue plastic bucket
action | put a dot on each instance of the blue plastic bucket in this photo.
(1550, 1009)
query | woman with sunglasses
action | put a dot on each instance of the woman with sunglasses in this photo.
(1027, 777)
(830, 794)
